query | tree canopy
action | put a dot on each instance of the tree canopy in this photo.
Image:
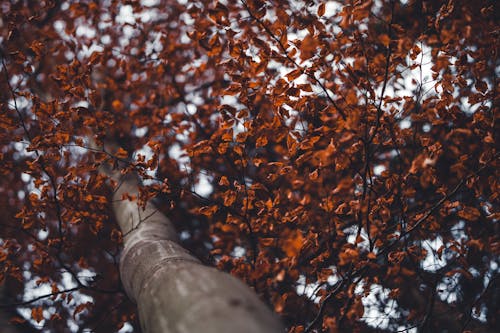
(340, 157)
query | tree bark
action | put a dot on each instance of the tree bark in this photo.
(174, 292)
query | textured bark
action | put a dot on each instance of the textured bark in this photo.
(173, 290)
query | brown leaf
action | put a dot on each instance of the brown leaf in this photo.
(37, 314)
(321, 9)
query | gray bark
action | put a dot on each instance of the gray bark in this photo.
(174, 292)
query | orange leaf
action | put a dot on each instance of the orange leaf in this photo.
(347, 256)
(224, 181)
(228, 136)
(79, 308)
(308, 47)
(95, 57)
(121, 153)
(233, 89)
(293, 243)
(261, 141)
(384, 39)
(208, 210)
(37, 48)
(117, 105)
(469, 213)
(321, 9)
(229, 198)
(37, 314)
(294, 74)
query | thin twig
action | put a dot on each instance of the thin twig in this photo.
(323, 304)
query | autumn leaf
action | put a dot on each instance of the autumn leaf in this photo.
(321, 9)
(208, 210)
(121, 153)
(229, 198)
(95, 57)
(384, 39)
(348, 255)
(261, 141)
(293, 243)
(37, 314)
(37, 47)
(117, 105)
(314, 175)
(81, 307)
(481, 86)
(233, 90)
(224, 181)
(294, 74)
(469, 213)
(308, 47)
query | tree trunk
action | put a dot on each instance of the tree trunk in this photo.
(174, 292)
